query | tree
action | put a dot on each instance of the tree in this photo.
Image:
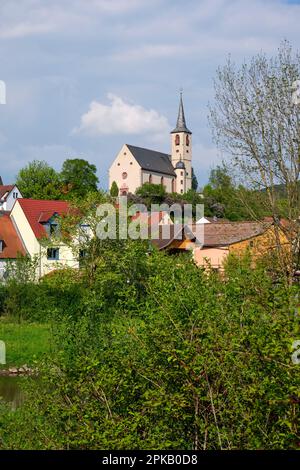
(38, 180)
(114, 190)
(78, 177)
(194, 181)
(255, 121)
(152, 193)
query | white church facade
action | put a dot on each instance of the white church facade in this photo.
(135, 166)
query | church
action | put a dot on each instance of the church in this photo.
(135, 166)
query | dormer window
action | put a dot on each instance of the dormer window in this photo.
(52, 226)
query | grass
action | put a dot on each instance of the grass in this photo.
(25, 342)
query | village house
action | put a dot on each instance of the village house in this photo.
(211, 246)
(135, 166)
(8, 196)
(36, 223)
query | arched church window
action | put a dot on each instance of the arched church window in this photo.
(177, 139)
(124, 175)
(150, 179)
(162, 181)
(187, 140)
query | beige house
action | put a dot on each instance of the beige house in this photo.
(36, 223)
(135, 166)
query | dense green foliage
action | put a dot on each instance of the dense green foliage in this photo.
(38, 181)
(78, 177)
(150, 352)
(152, 193)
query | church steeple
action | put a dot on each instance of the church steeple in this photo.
(181, 154)
(181, 124)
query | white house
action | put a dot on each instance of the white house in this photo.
(35, 222)
(8, 196)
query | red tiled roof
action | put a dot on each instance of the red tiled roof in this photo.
(11, 243)
(36, 210)
(5, 189)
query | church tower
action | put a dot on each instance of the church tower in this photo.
(181, 155)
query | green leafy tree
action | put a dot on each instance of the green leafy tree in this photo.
(255, 120)
(114, 190)
(152, 193)
(194, 181)
(223, 199)
(38, 180)
(78, 177)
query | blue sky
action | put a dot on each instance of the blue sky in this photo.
(85, 76)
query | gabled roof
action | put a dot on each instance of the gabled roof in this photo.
(12, 245)
(5, 190)
(38, 212)
(152, 161)
(228, 233)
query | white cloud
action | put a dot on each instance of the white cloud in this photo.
(121, 117)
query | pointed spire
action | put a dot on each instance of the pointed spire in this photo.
(181, 124)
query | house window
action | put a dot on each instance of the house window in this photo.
(173, 185)
(15, 195)
(251, 243)
(53, 253)
(177, 140)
